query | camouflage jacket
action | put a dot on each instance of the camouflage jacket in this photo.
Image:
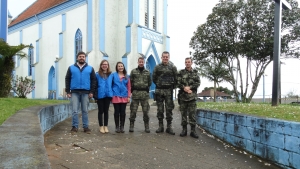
(140, 83)
(165, 76)
(188, 78)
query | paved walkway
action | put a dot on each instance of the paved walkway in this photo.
(140, 149)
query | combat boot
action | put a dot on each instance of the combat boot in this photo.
(147, 130)
(131, 126)
(169, 128)
(184, 131)
(117, 122)
(161, 127)
(193, 132)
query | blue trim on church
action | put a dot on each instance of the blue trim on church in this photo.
(63, 22)
(33, 78)
(130, 12)
(64, 7)
(61, 45)
(37, 51)
(102, 25)
(153, 47)
(21, 36)
(128, 39)
(3, 19)
(124, 60)
(90, 26)
(165, 16)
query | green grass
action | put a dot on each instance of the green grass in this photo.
(290, 112)
(9, 106)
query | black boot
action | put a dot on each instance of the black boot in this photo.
(117, 122)
(161, 127)
(169, 128)
(184, 131)
(193, 132)
(131, 126)
(147, 130)
(122, 123)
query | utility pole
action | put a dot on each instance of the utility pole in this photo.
(3, 19)
(279, 4)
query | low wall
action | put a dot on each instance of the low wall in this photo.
(22, 135)
(275, 140)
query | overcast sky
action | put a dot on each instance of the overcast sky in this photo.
(183, 19)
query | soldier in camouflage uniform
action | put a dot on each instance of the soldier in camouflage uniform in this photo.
(165, 78)
(188, 83)
(140, 83)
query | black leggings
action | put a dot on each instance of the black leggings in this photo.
(103, 106)
(120, 108)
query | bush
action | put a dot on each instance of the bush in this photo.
(23, 86)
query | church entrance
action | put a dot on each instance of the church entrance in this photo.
(51, 83)
(150, 64)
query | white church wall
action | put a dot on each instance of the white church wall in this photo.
(75, 19)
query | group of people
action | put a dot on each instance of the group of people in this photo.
(82, 83)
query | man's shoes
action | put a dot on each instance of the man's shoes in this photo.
(87, 130)
(74, 130)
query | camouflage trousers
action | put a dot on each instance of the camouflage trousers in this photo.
(134, 107)
(164, 100)
(188, 108)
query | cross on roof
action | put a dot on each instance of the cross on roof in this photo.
(285, 4)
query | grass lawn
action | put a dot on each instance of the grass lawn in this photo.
(290, 112)
(9, 106)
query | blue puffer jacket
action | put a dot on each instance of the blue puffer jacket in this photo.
(80, 79)
(119, 88)
(104, 86)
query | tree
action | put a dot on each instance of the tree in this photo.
(7, 54)
(23, 86)
(214, 72)
(242, 31)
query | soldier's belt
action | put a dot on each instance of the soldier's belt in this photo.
(147, 90)
(169, 87)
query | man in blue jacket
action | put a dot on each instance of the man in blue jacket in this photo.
(80, 86)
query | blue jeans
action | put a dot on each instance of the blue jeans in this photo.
(83, 100)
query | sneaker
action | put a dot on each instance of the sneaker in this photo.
(87, 130)
(74, 130)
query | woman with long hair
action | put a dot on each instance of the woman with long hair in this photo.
(104, 94)
(121, 95)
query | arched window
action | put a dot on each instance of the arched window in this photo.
(30, 60)
(78, 42)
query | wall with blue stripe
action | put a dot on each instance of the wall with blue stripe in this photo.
(271, 139)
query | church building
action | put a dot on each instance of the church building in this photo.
(115, 30)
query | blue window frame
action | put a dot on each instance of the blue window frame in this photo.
(78, 42)
(30, 60)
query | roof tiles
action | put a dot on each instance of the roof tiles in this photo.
(37, 7)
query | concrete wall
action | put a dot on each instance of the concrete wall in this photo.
(22, 135)
(50, 116)
(271, 139)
